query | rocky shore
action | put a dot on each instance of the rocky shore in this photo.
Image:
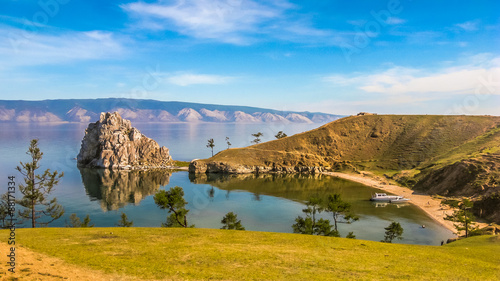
(200, 167)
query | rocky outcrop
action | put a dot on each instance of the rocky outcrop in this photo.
(470, 177)
(113, 143)
(201, 167)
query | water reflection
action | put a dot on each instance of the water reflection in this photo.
(116, 189)
(297, 187)
(374, 216)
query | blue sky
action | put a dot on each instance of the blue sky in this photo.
(341, 57)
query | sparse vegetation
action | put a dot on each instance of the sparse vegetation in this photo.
(74, 221)
(181, 164)
(280, 135)
(257, 137)
(228, 142)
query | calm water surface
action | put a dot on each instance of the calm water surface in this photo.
(263, 203)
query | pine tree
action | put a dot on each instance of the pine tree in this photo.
(211, 144)
(257, 137)
(74, 221)
(280, 135)
(309, 224)
(339, 207)
(36, 190)
(464, 218)
(230, 221)
(124, 222)
(393, 231)
(173, 201)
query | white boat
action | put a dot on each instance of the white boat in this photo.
(400, 199)
(383, 197)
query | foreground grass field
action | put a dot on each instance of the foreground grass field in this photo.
(174, 253)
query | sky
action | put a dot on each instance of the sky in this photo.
(331, 56)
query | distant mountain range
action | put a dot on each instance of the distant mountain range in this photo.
(88, 110)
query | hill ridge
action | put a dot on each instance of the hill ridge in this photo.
(435, 154)
(142, 110)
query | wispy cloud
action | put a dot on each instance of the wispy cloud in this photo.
(20, 47)
(240, 22)
(395, 20)
(463, 79)
(187, 79)
(209, 19)
(469, 25)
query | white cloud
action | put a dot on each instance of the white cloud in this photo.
(210, 19)
(395, 20)
(463, 79)
(187, 79)
(240, 22)
(24, 47)
(469, 25)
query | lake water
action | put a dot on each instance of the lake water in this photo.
(263, 203)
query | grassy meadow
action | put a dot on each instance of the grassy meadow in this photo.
(175, 253)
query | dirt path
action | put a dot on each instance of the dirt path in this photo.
(35, 266)
(431, 206)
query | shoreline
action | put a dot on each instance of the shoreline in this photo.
(431, 206)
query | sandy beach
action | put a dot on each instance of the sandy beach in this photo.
(431, 206)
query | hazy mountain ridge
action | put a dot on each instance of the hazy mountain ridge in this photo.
(88, 110)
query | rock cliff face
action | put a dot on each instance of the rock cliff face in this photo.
(201, 167)
(113, 143)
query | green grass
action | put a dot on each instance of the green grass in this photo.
(181, 163)
(157, 253)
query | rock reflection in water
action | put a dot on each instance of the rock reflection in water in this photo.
(117, 188)
(297, 187)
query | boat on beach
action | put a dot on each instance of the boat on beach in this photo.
(400, 199)
(383, 197)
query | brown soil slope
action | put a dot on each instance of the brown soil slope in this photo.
(383, 142)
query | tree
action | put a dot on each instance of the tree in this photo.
(5, 211)
(257, 137)
(74, 221)
(37, 188)
(464, 218)
(338, 207)
(211, 145)
(228, 143)
(280, 135)
(173, 201)
(309, 225)
(230, 221)
(393, 231)
(124, 222)
(351, 235)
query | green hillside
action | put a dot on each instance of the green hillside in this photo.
(436, 154)
(378, 142)
(202, 254)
